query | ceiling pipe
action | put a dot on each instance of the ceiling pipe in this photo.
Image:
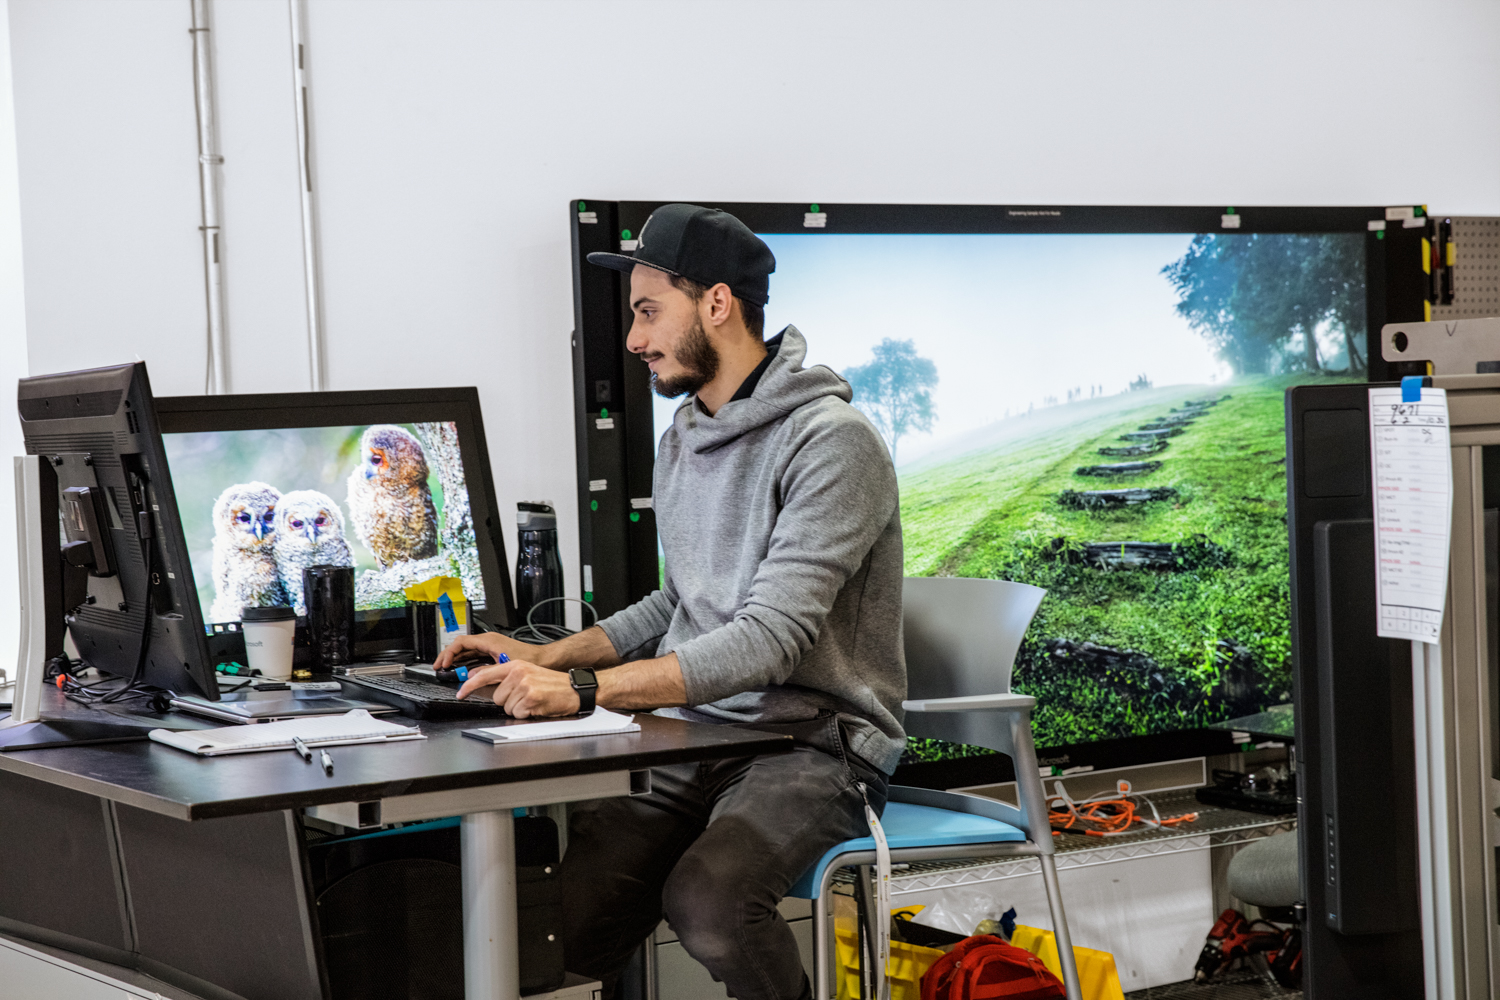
(209, 163)
(312, 271)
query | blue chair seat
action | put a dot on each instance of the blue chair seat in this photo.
(908, 825)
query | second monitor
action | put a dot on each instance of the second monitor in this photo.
(395, 483)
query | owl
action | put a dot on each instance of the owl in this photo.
(389, 500)
(244, 520)
(309, 532)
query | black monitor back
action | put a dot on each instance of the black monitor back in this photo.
(98, 429)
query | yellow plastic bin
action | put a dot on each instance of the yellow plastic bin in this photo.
(908, 962)
(1097, 977)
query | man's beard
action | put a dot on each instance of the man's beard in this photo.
(699, 360)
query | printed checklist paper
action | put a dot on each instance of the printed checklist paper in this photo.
(1413, 474)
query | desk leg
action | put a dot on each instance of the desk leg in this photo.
(491, 963)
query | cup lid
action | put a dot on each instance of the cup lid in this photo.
(277, 613)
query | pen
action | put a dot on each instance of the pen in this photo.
(327, 762)
(302, 748)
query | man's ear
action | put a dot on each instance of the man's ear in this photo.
(717, 304)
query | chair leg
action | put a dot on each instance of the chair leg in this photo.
(1065, 954)
(824, 948)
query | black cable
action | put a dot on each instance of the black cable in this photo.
(132, 687)
(541, 633)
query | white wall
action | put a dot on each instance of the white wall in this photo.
(450, 135)
(13, 364)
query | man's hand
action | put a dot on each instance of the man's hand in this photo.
(523, 689)
(488, 646)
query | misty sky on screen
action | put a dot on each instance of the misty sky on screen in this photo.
(1009, 320)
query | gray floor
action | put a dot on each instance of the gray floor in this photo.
(1231, 986)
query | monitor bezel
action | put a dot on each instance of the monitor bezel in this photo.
(1396, 291)
(383, 628)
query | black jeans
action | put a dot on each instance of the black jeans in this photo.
(714, 848)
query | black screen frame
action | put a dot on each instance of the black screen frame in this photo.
(623, 553)
(384, 628)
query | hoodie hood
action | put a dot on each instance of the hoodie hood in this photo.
(784, 387)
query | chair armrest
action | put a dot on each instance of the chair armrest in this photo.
(974, 805)
(970, 703)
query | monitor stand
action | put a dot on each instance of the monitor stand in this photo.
(67, 733)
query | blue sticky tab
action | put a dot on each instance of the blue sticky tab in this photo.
(1411, 389)
(462, 673)
(450, 620)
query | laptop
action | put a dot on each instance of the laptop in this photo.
(247, 707)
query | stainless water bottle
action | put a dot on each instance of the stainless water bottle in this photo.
(539, 573)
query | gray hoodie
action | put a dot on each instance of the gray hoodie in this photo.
(779, 520)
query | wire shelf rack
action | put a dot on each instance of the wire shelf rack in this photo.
(1215, 826)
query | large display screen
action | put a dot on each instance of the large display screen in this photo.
(1098, 415)
(259, 506)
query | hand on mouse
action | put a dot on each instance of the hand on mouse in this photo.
(524, 689)
(487, 647)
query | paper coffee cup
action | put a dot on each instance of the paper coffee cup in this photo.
(269, 640)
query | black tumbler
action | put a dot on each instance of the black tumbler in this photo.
(422, 615)
(329, 592)
(538, 564)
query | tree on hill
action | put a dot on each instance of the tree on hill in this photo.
(895, 390)
(1250, 294)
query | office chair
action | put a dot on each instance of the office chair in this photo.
(961, 642)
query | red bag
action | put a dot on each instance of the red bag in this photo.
(985, 967)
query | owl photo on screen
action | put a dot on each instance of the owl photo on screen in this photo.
(309, 532)
(390, 503)
(245, 573)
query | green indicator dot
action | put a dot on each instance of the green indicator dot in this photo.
(814, 207)
(1229, 210)
(588, 595)
(593, 505)
(635, 515)
(1419, 210)
(624, 234)
(603, 412)
(1380, 234)
(583, 206)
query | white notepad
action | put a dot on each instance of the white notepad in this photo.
(357, 726)
(602, 723)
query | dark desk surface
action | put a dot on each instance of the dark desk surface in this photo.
(169, 781)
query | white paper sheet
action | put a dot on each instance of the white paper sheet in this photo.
(356, 726)
(602, 722)
(1413, 479)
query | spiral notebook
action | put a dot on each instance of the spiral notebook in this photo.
(602, 722)
(357, 726)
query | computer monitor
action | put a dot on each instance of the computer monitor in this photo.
(1085, 399)
(124, 582)
(395, 483)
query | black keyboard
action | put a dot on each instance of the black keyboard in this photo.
(424, 699)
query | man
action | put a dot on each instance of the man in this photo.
(780, 611)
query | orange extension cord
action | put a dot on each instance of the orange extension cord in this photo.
(1108, 817)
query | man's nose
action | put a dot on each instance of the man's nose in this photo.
(636, 342)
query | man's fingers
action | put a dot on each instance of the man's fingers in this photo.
(460, 646)
(480, 677)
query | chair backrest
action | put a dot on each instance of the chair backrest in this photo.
(962, 635)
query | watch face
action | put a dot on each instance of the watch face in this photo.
(583, 678)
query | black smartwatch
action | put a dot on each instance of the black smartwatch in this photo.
(587, 685)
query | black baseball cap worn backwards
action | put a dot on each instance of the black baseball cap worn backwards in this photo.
(704, 245)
